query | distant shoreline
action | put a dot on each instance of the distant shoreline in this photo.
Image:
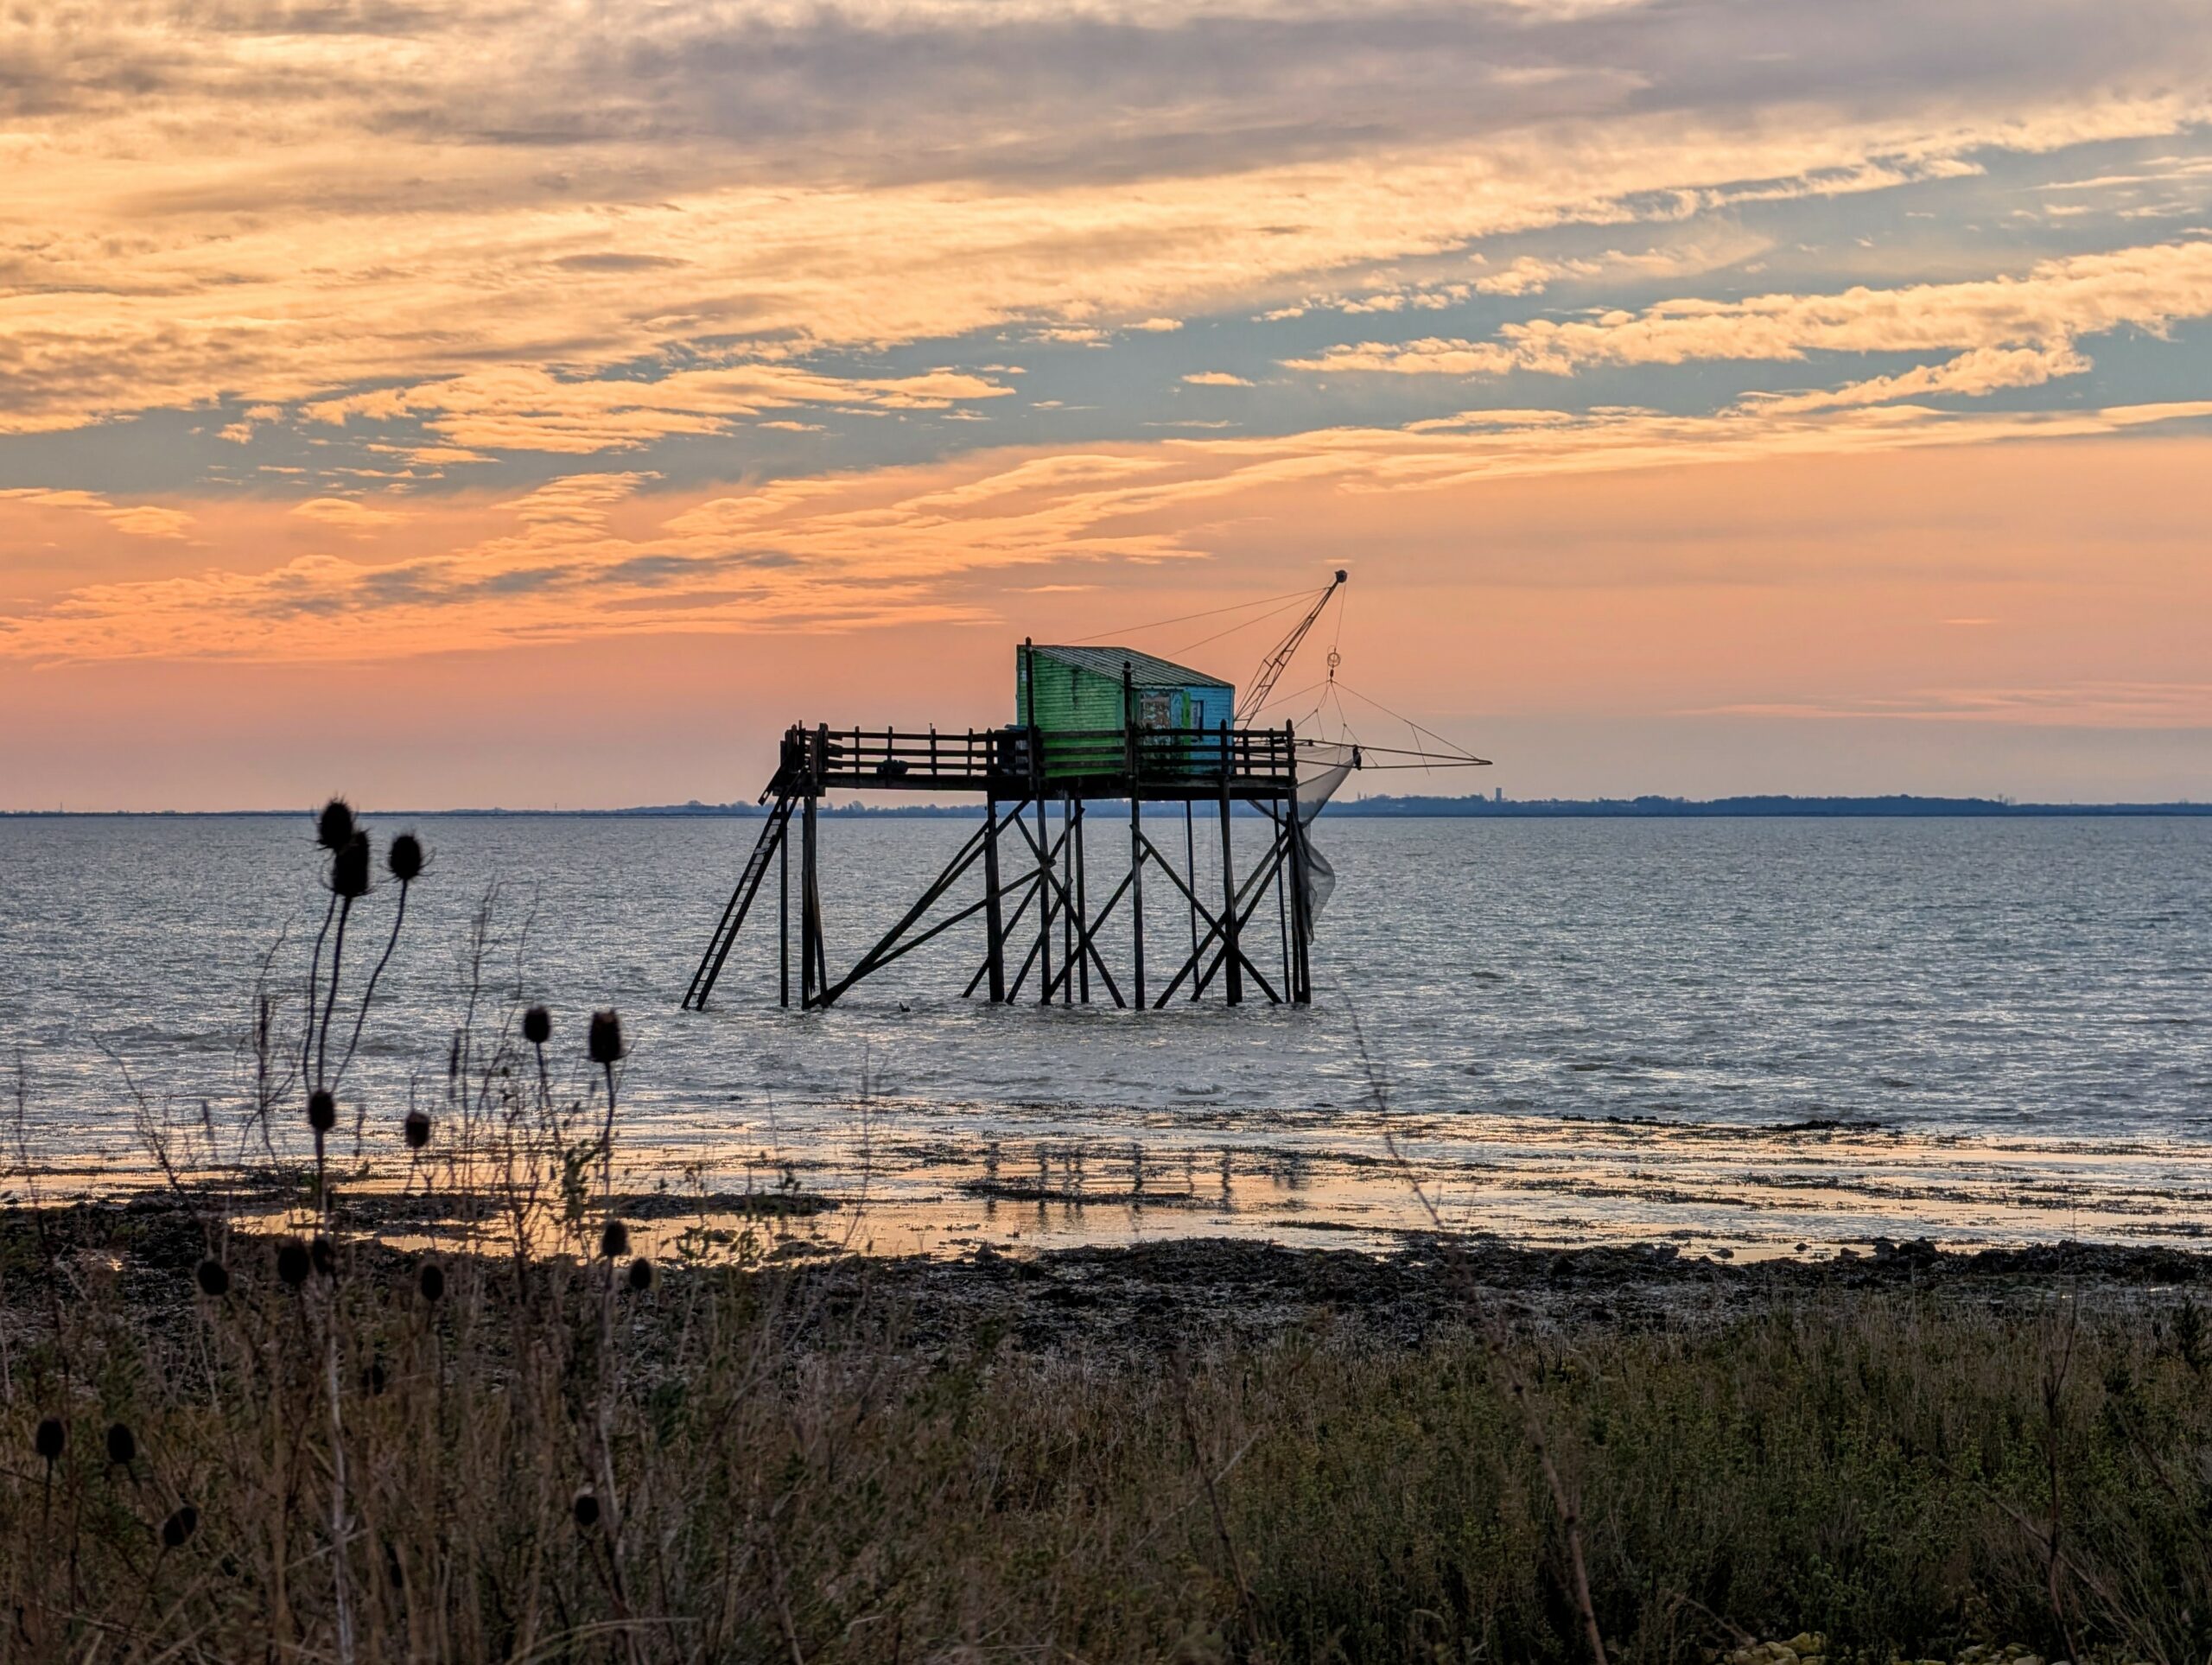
(1768, 807)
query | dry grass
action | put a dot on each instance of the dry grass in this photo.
(794, 1483)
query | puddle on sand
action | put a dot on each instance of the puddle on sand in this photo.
(1740, 1193)
(908, 1179)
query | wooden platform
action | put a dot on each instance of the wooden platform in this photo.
(1023, 775)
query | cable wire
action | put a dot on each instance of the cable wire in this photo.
(1185, 618)
(1244, 625)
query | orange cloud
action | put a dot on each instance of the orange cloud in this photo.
(346, 514)
(598, 555)
(1576, 625)
(139, 519)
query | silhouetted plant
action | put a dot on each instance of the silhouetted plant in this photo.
(405, 860)
(333, 828)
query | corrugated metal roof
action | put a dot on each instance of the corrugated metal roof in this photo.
(1145, 671)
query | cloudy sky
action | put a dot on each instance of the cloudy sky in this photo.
(465, 402)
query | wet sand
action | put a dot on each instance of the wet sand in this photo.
(1191, 1291)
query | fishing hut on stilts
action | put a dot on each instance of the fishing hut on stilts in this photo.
(1093, 726)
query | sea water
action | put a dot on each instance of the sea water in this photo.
(1750, 1034)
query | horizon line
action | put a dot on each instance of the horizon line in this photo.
(1890, 805)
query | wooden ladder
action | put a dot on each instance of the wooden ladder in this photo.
(740, 903)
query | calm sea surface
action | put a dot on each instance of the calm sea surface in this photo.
(1749, 1034)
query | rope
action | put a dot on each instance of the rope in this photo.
(1184, 618)
(1244, 625)
(1450, 749)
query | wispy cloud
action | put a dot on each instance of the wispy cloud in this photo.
(520, 409)
(260, 204)
(1973, 373)
(345, 513)
(2070, 704)
(138, 519)
(592, 554)
(2016, 331)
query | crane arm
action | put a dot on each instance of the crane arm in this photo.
(1272, 667)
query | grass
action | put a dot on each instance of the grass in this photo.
(796, 1480)
(537, 1447)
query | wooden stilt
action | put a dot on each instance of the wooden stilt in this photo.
(1190, 872)
(1282, 904)
(1301, 918)
(994, 924)
(784, 919)
(1045, 915)
(1136, 894)
(1133, 768)
(896, 942)
(1082, 909)
(1235, 954)
(821, 946)
(809, 919)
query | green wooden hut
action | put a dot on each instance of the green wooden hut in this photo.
(1095, 691)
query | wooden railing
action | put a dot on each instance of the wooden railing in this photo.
(978, 759)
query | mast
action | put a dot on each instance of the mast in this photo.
(1272, 667)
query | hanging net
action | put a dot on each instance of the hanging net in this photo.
(1324, 766)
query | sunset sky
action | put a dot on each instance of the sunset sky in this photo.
(470, 403)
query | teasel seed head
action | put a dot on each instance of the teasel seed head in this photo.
(292, 1263)
(641, 1275)
(430, 1280)
(614, 1240)
(50, 1438)
(536, 1026)
(122, 1444)
(179, 1526)
(404, 858)
(417, 1128)
(322, 1109)
(373, 1379)
(214, 1278)
(333, 828)
(586, 1509)
(349, 868)
(605, 1044)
